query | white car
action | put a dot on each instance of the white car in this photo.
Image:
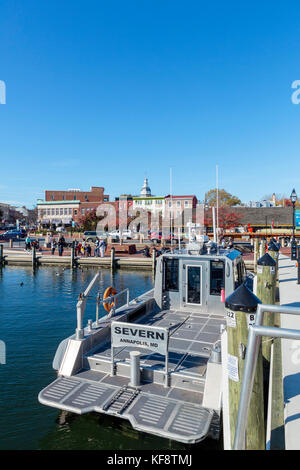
(117, 234)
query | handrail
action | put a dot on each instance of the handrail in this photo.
(256, 331)
(81, 304)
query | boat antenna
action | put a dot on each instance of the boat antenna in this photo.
(217, 185)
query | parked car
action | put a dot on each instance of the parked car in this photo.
(13, 235)
(126, 233)
(90, 236)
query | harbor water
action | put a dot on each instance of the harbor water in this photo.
(37, 311)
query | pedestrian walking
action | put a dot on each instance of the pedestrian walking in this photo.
(97, 246)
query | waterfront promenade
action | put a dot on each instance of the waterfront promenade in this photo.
(289, 292)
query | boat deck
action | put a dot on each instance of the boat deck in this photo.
(174, 412)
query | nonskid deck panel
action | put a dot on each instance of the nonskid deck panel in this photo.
(192, 337)
(168, 412)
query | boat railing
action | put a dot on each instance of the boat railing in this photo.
(110, 304)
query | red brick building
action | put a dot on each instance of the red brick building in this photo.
(65, 207)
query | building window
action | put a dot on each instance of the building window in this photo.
(170, 203)
(178, 203)
(70, 211)
(56, 212)
(82, 211)
(48, 211)
(53, 211)
(61, 211)
(85, 197)
(74, 197)
(63, 197)
(75, 211)
(52, 197)
(66, 211)
(186, 203)
(105, 199)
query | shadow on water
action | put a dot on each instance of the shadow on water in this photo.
(101, 432)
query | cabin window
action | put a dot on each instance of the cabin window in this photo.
(171, 274)
(216, 277)
(239, 274)
(194, 284)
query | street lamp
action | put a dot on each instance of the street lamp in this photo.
(293, 198)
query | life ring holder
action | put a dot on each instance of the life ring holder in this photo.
(110, 291)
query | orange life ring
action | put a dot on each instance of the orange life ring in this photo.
(109, 292)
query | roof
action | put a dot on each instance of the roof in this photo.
(180, 197)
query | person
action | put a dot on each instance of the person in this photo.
(88, 250)
(27, 243)
(102, 248)
(97, 246)
(78, 249)
(53, 246)
(61, 244)
(146, 252)
(83, 247)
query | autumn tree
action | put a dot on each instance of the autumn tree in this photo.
(224, 198)
(227, 219)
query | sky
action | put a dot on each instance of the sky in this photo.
(104, 93)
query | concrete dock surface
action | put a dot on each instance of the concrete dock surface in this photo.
(289, 292)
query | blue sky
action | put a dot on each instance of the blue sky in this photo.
(102, 93)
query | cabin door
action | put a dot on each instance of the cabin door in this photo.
(194, 292)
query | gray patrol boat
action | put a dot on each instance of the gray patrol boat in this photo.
(154, 360)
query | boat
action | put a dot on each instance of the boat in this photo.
(154, 360)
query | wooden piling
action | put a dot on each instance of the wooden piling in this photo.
(1, 255)
(153, 259)
(33, 253)
(256, 252)
(273, 250)
(262, 248)
(241, 309)
(73, 262)
(266, 291)
(112, 258)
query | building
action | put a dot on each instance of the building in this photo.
(65, 207)
(147, 202)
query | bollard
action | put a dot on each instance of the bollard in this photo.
(11, 243)
(112, 258)
(153, 259)
(1, 256)
(135, 372)
(266, 292)
(241, 308)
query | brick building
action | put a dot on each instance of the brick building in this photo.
(65, 207)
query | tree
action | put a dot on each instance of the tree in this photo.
(225, 198)
(228, 218)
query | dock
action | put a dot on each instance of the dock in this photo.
(290, 295)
